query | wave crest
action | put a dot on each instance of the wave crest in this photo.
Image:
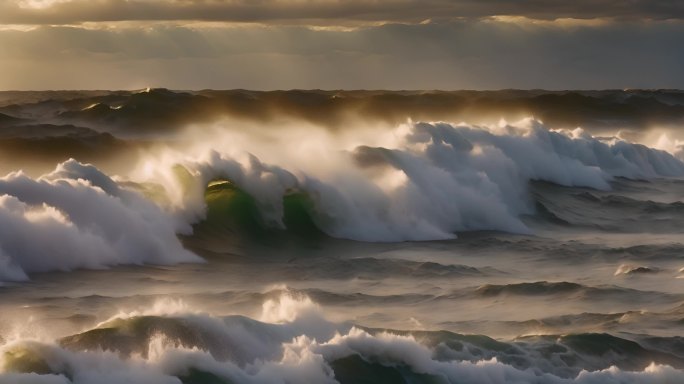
(78, 217)
(437, 179)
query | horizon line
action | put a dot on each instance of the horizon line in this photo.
(347, 90)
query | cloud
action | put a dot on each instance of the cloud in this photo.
(325, 12)
(480, 54)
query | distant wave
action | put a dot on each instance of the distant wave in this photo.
(623, 202)
(574, 290)
(164, 110)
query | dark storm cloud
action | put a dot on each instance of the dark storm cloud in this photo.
(453, 55)
(326, 11)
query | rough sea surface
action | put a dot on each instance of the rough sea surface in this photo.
(322, 237)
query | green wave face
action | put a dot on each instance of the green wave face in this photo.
(232, 210)
(298, 216)
(26, 359)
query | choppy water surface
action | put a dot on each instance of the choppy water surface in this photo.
(443, 253)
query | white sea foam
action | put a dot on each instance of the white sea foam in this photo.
(286, 352)
(430, 181)
(426, 182)
(77, 217)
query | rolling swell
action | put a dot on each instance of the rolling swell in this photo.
(619, 210)
(537, 288)
(633, 205)
(630, 323)
(376, 268)
(574, 291)
(161, 109)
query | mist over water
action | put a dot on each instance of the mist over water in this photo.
(287, 245)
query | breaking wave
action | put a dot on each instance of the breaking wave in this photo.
(429, 182)
(78, 217)
(294, 343)
(436, 179)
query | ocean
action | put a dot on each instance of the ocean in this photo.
(341, 237)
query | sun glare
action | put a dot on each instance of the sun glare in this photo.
(40, 4)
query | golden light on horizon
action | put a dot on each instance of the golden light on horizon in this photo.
(40, 4)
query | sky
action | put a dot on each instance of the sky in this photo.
(336, 44)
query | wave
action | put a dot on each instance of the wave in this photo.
(40, 146)
(578, 252)
(377, 268)
(587, 322)
(629, 206)
(230, 209)
(437, 180)
(78, 217)
(537, 288)
(293, 342)
(572, 291)
(627, 269)
(625, 209)
(161, 109)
